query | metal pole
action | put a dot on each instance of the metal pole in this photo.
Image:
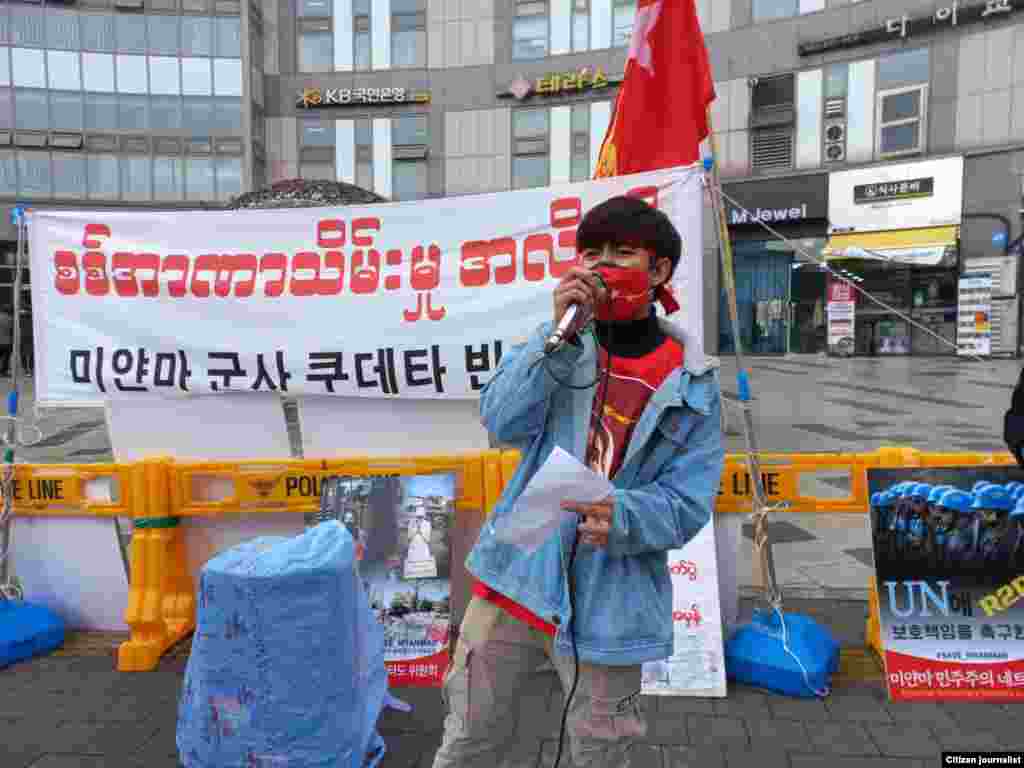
(11, 435)
(761, 539)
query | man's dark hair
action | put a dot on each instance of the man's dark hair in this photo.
(630, 221)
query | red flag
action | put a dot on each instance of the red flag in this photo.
(660, 115)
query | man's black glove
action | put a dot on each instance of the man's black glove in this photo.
(1013, 423)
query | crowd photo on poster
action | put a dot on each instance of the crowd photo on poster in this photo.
(401, 528)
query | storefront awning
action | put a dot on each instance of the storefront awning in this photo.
(931, 247)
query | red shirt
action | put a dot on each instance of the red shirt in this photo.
(631, 383)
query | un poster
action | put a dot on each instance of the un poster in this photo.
(949, 562)
(401, 527)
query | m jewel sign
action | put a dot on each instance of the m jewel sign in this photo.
(739, 217)
(798, 201)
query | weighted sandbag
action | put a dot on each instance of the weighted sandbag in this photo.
(287, 663)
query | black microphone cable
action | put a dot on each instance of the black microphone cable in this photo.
(575, 539)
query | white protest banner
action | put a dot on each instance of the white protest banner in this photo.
(405, 300)
(697, 664)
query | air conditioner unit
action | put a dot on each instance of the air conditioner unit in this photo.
(835, 141)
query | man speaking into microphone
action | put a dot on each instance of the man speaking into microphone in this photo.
(596, 597)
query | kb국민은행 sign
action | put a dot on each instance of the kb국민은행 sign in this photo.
(413, 300)
(950, 584)
(316, 98)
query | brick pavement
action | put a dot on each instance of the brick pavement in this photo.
(73, 710)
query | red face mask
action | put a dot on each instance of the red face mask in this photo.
(629, 294)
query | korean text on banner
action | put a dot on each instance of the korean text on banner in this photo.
(412, 300)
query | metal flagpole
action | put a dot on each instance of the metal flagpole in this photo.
(760, 507)
(9, 588)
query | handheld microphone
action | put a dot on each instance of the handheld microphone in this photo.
(568, 325)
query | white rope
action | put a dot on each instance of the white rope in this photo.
(820, 692)
(824, 264)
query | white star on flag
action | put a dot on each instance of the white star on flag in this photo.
(640, 48)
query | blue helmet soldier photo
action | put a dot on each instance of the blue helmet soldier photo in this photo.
(883, 506)
(994, 541)
(901, 520)
(957, 524)
(1017, 523)
(948, 506)
(917, 521)
(934, 495)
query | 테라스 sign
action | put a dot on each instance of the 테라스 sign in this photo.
(560, 84)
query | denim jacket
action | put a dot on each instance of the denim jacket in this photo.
(664, 494)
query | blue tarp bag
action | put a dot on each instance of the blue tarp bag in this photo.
(287, 663)
(27, 630)
(797, 658)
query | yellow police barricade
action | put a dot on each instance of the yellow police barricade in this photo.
(158, 494)
(163, 610)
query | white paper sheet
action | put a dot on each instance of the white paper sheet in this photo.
(537, 512)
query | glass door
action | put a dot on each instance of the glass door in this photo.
(762, 298)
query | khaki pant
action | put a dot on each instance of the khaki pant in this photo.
(494, 657)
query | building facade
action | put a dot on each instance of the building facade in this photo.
(158, 103)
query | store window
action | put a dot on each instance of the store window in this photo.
(133, 113)
(166, 112)
(227, 114)
(98, 31)
(27, 68)
(199, 183)
(314, 132)
(62, 29)
(198, 114)
(34, 174)
(228, 36)
(364, 153)
(66, 110)
(409, 169)
(530, 148)
(163, 34)
(580, 25)
(767, 10)
(104, 177)
(69, 178)
(902, 103)
(100, 111)
(167, 178)
(229, 177)
(901, 121)
(408, 33)
(580, 142)
(131, 33)
(530, 30)
(196, 36)
(315, 8)
(28, 27)
(8, 174)
(772, 122)
(136, 177)
(316, 47)
(6, 109)
(196, 77)
(623, 13)
(30, 110)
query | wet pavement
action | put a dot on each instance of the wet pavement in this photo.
(74, 709)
